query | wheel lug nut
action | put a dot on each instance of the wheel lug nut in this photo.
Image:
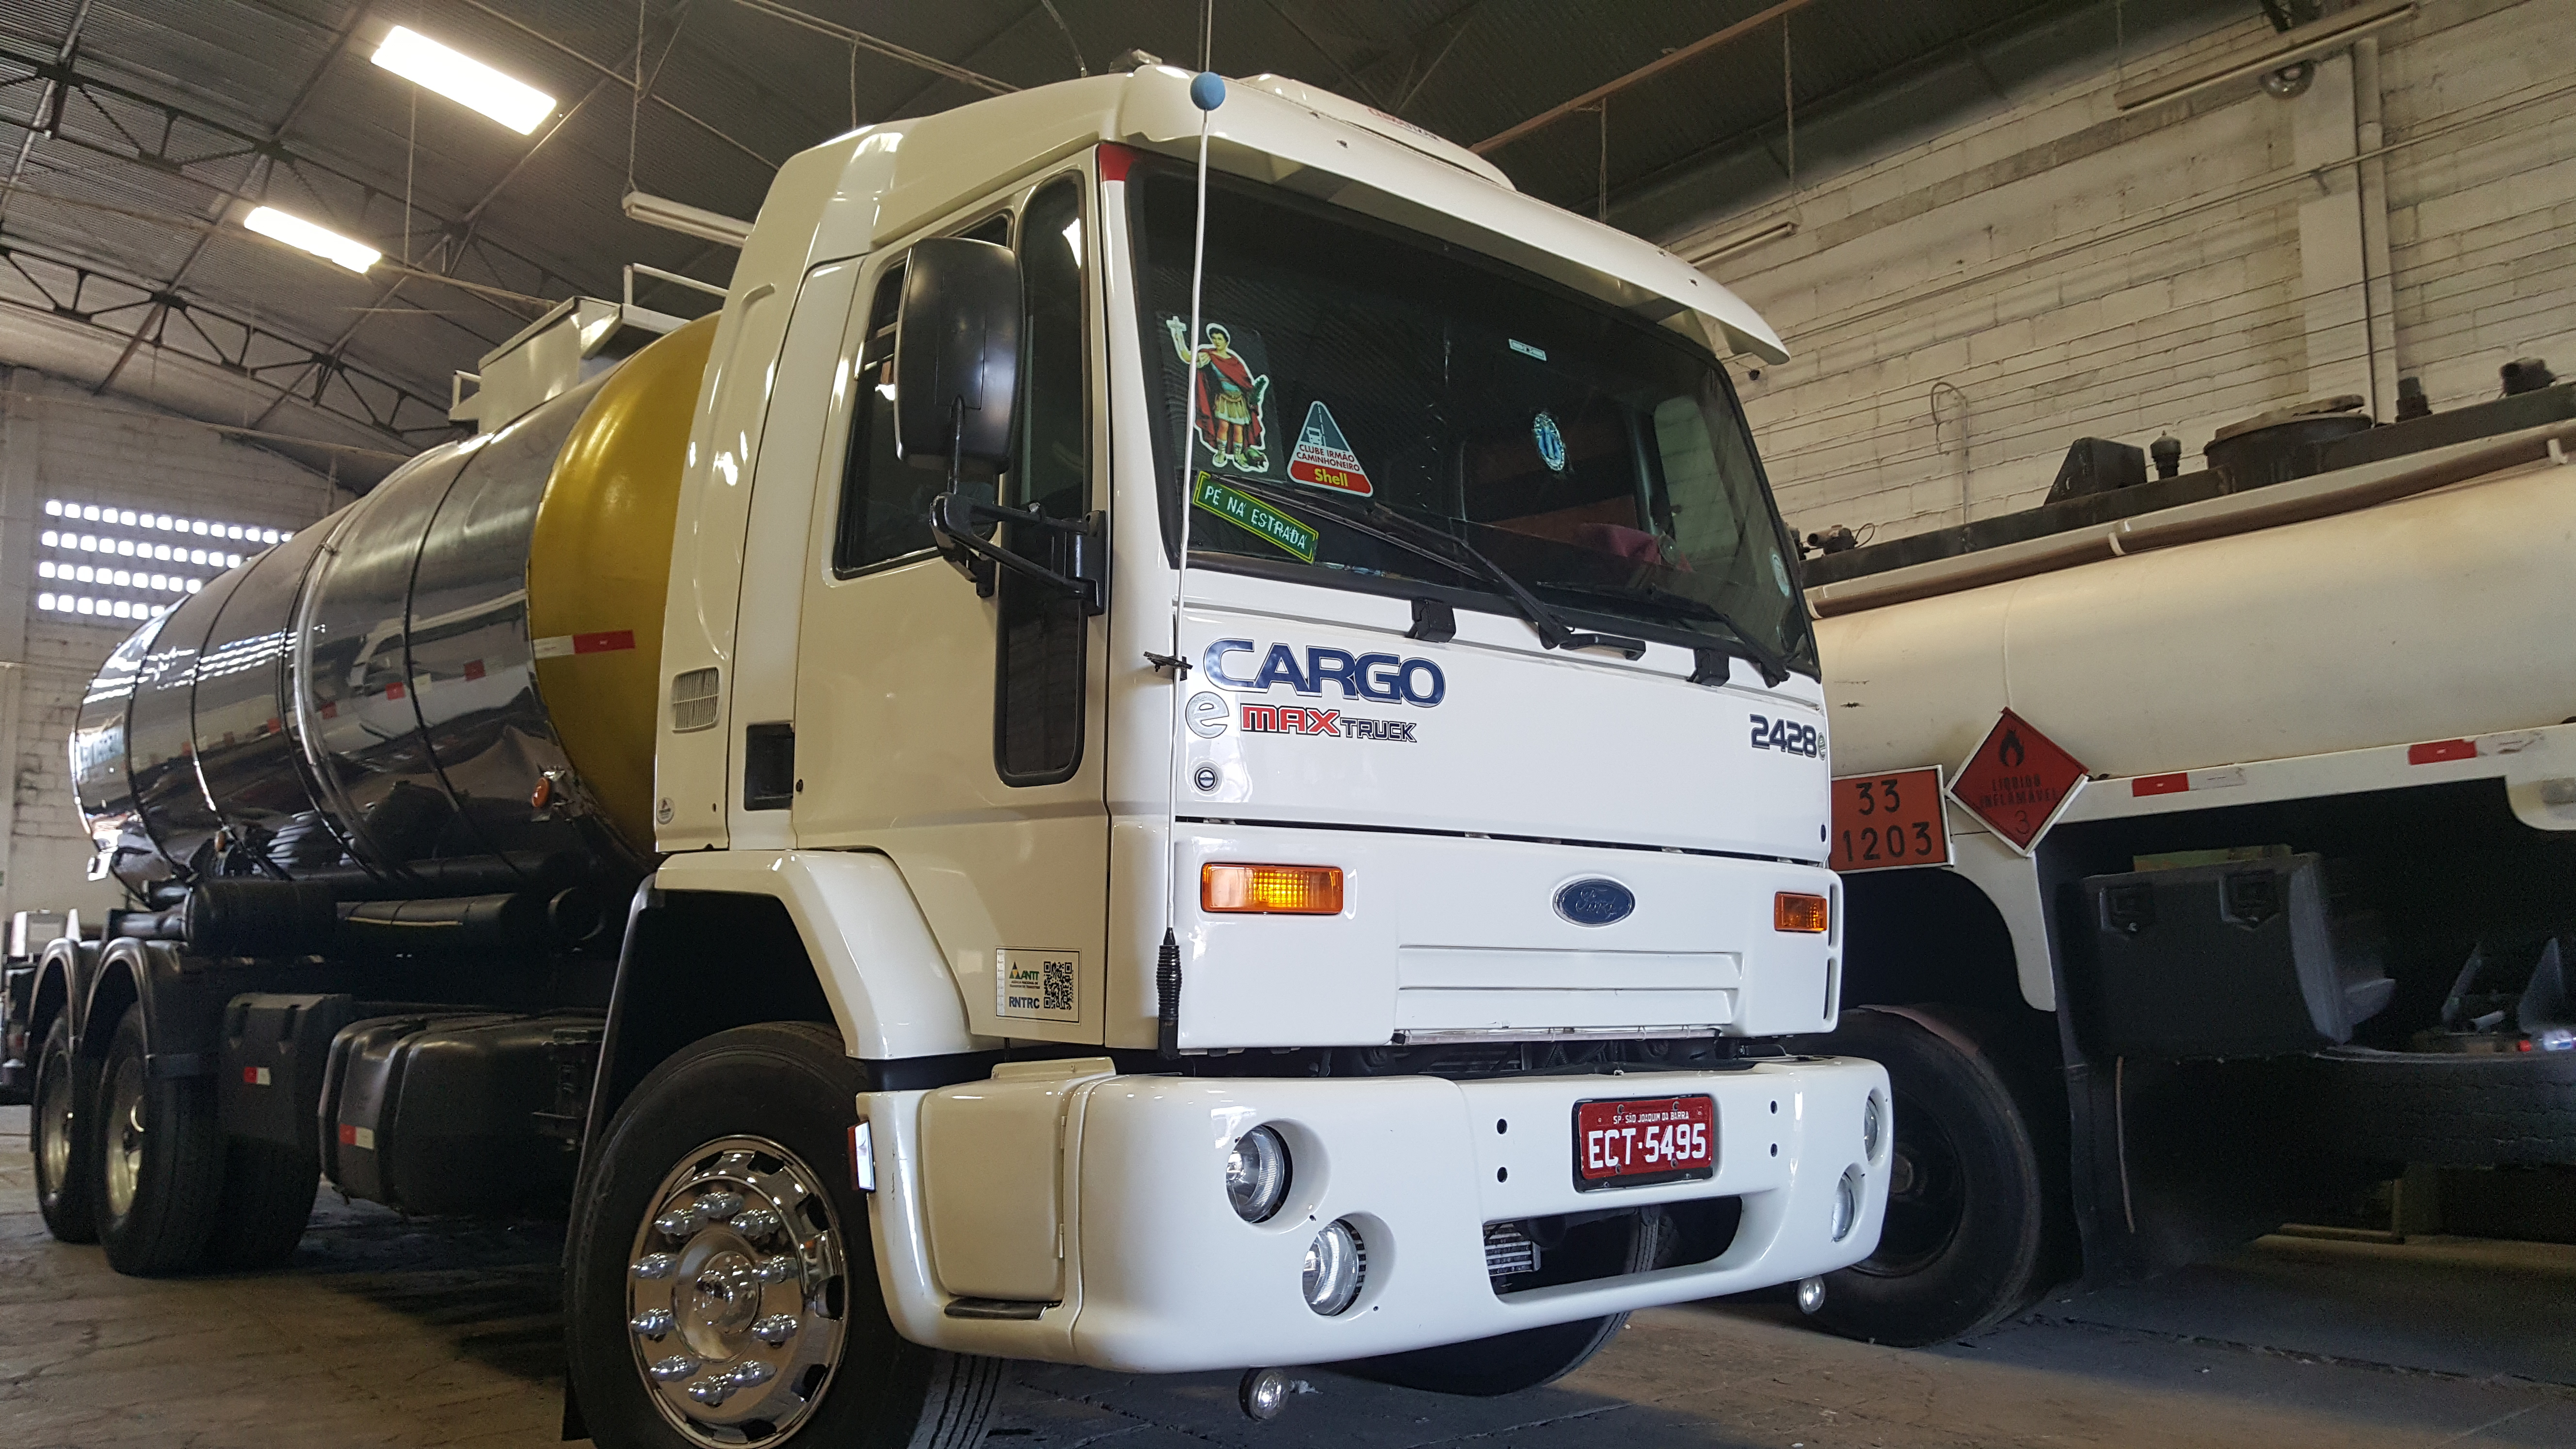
(717, 1206)
(756, 1223)
(653, 1266)
(777, 1270)
(776, 1329)
(678, 1223)
(651, 1323)
(749, 1372)
(677, 1366)
(712, 1390)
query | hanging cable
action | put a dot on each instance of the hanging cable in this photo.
(635, 101)
(1789, 104)
(1207, 92)
(1602, 208)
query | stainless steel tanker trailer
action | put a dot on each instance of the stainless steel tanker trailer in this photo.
(807, 799)
(2209, 842)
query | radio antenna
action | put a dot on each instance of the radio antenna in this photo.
(1207, 92)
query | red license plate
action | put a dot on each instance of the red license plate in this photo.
(1644, 1139)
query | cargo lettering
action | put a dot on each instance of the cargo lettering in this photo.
(1384, 678)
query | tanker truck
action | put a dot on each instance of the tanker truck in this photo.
(2209, 847)
(1014, 793)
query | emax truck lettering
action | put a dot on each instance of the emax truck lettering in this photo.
(807, 953)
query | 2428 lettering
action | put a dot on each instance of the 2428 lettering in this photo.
(1788, 737)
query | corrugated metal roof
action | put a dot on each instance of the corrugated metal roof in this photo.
(190, 109)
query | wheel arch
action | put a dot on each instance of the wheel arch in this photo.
(1926, 935)
(833, 938)
(182, 1015)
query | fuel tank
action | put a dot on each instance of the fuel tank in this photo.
(2432, 617)
(447, 686)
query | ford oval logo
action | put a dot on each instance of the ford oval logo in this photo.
(1594, 901)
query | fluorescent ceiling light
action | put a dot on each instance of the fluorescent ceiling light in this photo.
(1746, 240)
(463, 79)
(295, 231)
(685, 219)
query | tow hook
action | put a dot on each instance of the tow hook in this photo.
(1264, 1393)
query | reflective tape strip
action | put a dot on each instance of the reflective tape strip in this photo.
(2434, 752)
(2173, 784)
(556, 646)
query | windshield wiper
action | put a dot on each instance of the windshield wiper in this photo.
(1388, 526)
(1773, 669)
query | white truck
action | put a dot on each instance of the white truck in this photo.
(1370, 944)
(2302, 721)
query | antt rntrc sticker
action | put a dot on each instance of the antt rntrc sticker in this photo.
(1229, 401)
(1039, 985)
(1550, 440)
(1323, 458)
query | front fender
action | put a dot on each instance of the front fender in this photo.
(890, 989)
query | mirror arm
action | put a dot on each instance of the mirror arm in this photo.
(954, 521)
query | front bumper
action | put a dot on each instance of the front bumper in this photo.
(1157, 1274)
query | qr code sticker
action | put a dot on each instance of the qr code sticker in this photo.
(1039, 985)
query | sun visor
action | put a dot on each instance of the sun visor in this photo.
(1273, 138)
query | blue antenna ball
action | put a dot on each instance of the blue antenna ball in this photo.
(1207, 90)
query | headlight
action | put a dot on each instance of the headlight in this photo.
(1846, 1203)
(1335, 1263)
(1873, 1121)
(1256, 1174)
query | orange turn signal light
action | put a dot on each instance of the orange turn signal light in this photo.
(1791, 911)
(1280, 890)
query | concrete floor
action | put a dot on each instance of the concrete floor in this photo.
(395, 1333)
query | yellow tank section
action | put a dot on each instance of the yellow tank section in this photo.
(599, 562)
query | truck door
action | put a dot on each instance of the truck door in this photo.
(961, 735)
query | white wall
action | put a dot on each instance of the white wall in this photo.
(1962, 309)
(59, 441)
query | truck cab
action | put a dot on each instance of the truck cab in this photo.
(1237, 777)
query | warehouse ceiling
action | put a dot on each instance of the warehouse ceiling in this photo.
(135, 134)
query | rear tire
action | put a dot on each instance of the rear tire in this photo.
(760, 1114)
(159, 1159)
(267, 1201)
(1968, 1200)
(66, 1093)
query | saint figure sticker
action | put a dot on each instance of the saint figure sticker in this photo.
(1228, 398)
(1323, 458)
(1551, 442)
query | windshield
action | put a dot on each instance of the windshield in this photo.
(1601, 461)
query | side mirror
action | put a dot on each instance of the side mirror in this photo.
(957, 356)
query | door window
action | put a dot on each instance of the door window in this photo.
(1038, 679)
(885, 502)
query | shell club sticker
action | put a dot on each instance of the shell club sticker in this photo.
(1323, 457)
(2018, 782)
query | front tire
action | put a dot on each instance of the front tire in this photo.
(159, 1159)
(1507, 1363)
(1968, 1209)
(66, 1093)
(723, 1284)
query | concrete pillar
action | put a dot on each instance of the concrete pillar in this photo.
(2334, 285)
(21, 440)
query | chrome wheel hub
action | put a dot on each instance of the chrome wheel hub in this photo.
(734, 1293)
(124, 1135)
